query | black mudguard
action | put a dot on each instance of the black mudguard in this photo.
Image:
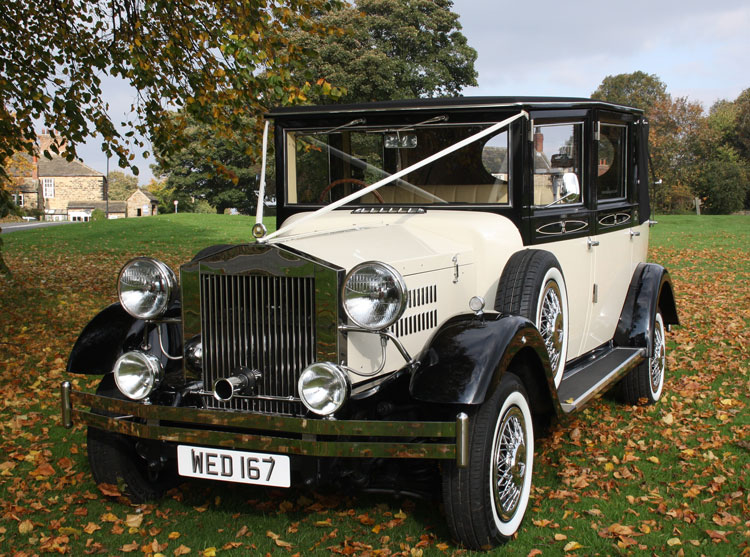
(113, 332)
(468, 354)
(650, 289)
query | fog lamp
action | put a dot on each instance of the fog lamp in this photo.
(137, 374)
(324, 388)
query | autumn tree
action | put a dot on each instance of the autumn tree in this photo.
(673, 127)
(219, 170)
(637, 89)
(673, 133)
(391, 49)
(215, 62)
(724, 169)
(121, 185)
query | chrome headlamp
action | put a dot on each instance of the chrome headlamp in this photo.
(324, 387)
(145, 287)
(374, 295)
(137, 374)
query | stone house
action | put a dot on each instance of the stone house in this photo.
(141, 203)
(61, 189)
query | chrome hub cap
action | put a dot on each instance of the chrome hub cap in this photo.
(657, 362)
(552, 323)
(509, 463)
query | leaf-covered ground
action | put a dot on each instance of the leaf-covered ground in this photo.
(670, 479)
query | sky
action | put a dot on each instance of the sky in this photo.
(698, 48)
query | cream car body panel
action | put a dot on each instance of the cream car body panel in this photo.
(427, 249)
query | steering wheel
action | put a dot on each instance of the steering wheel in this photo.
(354, 181)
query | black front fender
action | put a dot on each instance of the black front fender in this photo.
(113, 331)
(650, 290)
(467, 355)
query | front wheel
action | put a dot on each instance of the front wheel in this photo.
(486, 502)
(137, 469)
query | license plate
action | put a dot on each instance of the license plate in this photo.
(233, 466)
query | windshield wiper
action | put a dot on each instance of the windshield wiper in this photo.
(356, 122)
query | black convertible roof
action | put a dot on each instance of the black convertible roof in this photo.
(444, 103)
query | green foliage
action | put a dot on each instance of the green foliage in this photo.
(724, 186)
(219, 170)
(637, 89)
(121, 185)
(391, 49)
(98, 214)
(217, 61)
(742, 124)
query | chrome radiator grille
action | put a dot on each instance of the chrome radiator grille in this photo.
(261, 322)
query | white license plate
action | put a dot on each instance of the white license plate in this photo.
(233, 466)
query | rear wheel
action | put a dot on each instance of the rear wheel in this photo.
(136, 468)
(532, 285)
(646, 382)
(486, 502)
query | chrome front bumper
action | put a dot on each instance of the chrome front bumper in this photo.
(262, 432)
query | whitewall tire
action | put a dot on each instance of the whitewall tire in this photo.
(485, 503)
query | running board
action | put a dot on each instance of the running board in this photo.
(592, 377)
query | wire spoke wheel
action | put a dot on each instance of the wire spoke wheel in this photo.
(509, 463)
(657, 362)
(552, 323)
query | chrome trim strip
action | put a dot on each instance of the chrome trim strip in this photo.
(67, 420)
(462, 440)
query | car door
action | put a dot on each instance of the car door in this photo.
(559, 222)
(615, 216)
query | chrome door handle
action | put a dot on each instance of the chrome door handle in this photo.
(592, 243)
(634, 233)
(652, 223)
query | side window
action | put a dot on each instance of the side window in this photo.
(612, 155)
(558, 163)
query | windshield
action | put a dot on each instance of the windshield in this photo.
(326, 165)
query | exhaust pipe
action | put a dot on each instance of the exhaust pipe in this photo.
(242, 382)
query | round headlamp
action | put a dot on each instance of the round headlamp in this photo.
(324, 388)
(374, 295)
(137, 374)
(145, 287)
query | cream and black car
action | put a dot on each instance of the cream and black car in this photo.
(447, 276)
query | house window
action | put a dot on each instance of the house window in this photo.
(48, 185)
(18, 199)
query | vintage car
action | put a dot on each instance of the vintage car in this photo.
(447, 276)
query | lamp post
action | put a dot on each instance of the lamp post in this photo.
(106, 192)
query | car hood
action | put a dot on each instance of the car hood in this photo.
(412, 243)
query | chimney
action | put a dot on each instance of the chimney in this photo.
(538, 141)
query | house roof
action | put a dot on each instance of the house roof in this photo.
(59, 166)
(114, 206)
(147, 193)
(56, 167)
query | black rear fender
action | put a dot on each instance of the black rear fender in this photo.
(650, 290)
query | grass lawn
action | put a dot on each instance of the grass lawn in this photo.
(667, 479)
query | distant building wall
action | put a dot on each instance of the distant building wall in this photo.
(75, 188)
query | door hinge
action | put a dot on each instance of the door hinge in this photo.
(455, 269)
(595, 297)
